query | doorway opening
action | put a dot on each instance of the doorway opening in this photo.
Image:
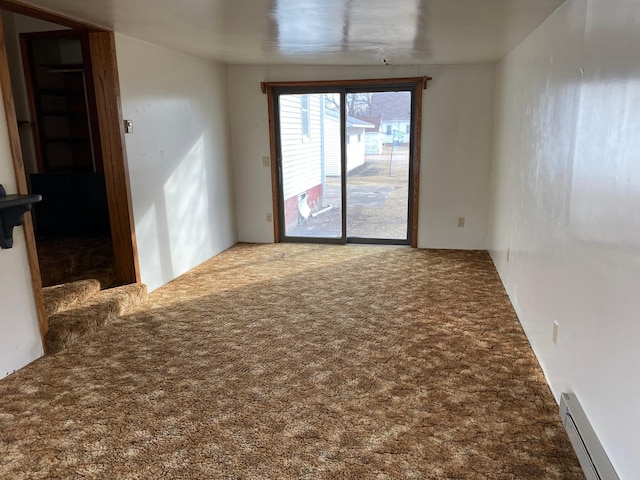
(346, 161)
(62, 104)
(104, 138)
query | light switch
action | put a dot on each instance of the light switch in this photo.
(128, 126)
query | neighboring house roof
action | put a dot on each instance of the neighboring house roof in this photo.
(375, 121)
(351, 121)
(356, 122)
(391, 105)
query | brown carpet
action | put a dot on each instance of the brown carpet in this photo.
(297, 362)
(81, 310)
(67, 259)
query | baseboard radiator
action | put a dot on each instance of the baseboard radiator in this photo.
(593, 459)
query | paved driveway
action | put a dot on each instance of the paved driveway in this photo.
(377, 202)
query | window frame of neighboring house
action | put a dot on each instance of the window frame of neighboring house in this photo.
(305, 116)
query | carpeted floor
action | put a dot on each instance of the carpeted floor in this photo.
(297, 362)
(67, 259)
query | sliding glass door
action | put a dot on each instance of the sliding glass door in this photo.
(310, 166)
(378, 133)
(345, 162)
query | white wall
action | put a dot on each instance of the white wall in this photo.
(179, 157)
(20, 341)
(566, 202)
(456, 147)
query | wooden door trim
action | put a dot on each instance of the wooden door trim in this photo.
(114, 156)
(48, 16)
(274, 165)
(417, 135)
(21, 183)
(369, 82)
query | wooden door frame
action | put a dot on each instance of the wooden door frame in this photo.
(111, 131)
(419, 83)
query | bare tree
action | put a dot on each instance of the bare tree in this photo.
(358, 104)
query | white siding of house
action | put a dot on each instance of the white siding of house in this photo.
(355, 148)
(332, 146)
(400, 126)
(373, 143)
(301, 156)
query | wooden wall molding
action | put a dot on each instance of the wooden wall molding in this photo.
(274, 165)
(421, 82)
(21, 182)
(48, 16)
(417, 135)
(116, 174)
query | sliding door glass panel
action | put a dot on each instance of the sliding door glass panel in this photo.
(378, 139)
(310, 152)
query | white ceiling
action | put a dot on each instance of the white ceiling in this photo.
(336, 32)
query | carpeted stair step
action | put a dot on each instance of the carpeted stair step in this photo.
(68, 295)
(67, 327)
(69, 259)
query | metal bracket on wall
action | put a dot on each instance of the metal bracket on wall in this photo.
(12, 210)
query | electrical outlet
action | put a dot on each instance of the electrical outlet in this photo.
(460, 222)
(555, 332)
(266, 162)
(269, 217)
